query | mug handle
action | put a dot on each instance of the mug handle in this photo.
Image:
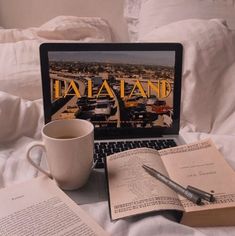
(29, 148)
(94, 164)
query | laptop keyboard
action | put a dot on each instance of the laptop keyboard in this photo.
(103, 149)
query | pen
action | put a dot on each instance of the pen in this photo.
(173, 185)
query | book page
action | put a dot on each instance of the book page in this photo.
(132, 190)
(39, 207)
(202, 166)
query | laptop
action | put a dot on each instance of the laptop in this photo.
(129, 91)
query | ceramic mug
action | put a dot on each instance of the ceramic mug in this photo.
(69, 148)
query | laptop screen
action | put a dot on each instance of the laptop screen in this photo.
(122, 92)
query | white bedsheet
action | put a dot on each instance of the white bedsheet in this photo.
(20, 124)
(23, 126)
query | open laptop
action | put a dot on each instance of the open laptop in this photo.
(129, 91)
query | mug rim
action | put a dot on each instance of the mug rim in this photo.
(71, 120)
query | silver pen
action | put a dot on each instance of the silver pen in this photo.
(174, 186)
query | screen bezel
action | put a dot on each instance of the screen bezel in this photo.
(114, 133)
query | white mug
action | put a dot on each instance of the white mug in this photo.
(69, 148)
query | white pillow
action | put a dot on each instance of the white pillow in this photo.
(19, 57)
(144, 15)
(208, 53)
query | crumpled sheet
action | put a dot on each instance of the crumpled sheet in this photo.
(22, 125)
(21, 121)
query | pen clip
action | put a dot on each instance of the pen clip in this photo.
(204, 195)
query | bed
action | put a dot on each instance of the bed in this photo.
(205, 28)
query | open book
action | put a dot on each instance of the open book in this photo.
(133, 191)
(39, 207)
